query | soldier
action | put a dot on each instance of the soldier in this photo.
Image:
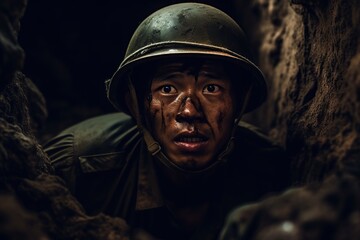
(176, 159)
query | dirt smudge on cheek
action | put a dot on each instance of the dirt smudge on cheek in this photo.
(153, 115)
(206, 118)
(154, 110)
(163, 123)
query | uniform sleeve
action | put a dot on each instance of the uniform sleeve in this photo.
(61, 152)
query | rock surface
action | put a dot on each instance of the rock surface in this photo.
(309, 51)
(34, 203)
(326, 211)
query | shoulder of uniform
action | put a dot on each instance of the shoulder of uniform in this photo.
(99, 135)
(103, 134)
(94, 145)
(103, 122)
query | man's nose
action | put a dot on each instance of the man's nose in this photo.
(190, 111)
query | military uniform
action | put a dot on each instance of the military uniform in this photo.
(105, 163)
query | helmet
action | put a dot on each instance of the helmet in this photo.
(190, 30)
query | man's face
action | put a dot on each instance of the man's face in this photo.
(191, 112)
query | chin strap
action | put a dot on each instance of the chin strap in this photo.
(152, 145)
(243, 109)
(155, 149)
(231, 142)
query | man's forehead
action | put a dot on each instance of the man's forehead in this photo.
(180, 66)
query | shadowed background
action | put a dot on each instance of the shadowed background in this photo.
(72, 47)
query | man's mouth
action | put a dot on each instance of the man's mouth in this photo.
(191, 142)
(191, 139)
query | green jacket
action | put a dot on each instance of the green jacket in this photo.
(105, 163)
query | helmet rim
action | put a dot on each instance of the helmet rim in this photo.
(186, 30)
(157, 51)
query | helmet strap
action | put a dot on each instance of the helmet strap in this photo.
(243, 107)
(152, 145)
(231, 143)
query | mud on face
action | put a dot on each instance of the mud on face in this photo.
(191, 111)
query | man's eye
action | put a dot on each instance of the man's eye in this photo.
(168, 89)
(211, 88)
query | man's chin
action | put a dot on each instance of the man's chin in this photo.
(193, 164)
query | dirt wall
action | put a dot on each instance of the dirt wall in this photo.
(309, 52)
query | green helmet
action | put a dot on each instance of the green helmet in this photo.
(187, 30)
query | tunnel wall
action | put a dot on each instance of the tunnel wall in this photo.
(309, 52)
